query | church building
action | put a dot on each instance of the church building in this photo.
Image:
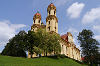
(67, 45)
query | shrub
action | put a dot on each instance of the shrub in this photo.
(60, 55)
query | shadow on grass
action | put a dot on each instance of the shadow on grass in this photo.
(59, 56)
(54, 56)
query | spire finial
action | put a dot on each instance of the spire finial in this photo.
(50, 1)
(37, 11)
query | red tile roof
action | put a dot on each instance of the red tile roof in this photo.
(38, 14)
(65, 37)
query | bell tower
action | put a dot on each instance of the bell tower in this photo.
(36, 21)
(51, 20)
(37, 18)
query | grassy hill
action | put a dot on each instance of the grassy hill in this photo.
(43, 61)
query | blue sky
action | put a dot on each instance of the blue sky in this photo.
(73, 16)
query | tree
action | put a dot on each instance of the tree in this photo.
(15, 46)
(43, 40)
(33, 42)
(48, 42)
(54, 41)
(38, 51)
(30, 42)
(88, 45)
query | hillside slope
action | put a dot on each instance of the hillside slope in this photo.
(43, 61)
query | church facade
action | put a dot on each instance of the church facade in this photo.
(67, 45)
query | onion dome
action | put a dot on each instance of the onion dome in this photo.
(51, 6)
(37, 15)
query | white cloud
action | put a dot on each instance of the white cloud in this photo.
(8, 30)
(91, 16)
(60, 2)
(0, 51)
(96, 27)
(78, 46)
(63, 31)
(75, 9)
(97, 37)
(72, 30)
(74, 40)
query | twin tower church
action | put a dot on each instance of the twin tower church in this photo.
(67, 45)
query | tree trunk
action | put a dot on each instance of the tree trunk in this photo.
(54, 51)
(46, 53)
(91, 63)
(31, 55)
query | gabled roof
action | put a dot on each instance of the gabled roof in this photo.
(65, 37)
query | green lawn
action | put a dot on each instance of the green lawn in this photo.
(43, 61)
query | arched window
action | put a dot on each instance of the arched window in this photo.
(34, 21)
(55, 28)
(49, 22)
(62, 46)
(32, 29)
(49, 28)
(54, 12)
(49, 12)
(39, 21)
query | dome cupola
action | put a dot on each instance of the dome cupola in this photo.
(51, 6)
(51, 9)
(37, 16)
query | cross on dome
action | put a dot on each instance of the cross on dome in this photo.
(38, 13)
